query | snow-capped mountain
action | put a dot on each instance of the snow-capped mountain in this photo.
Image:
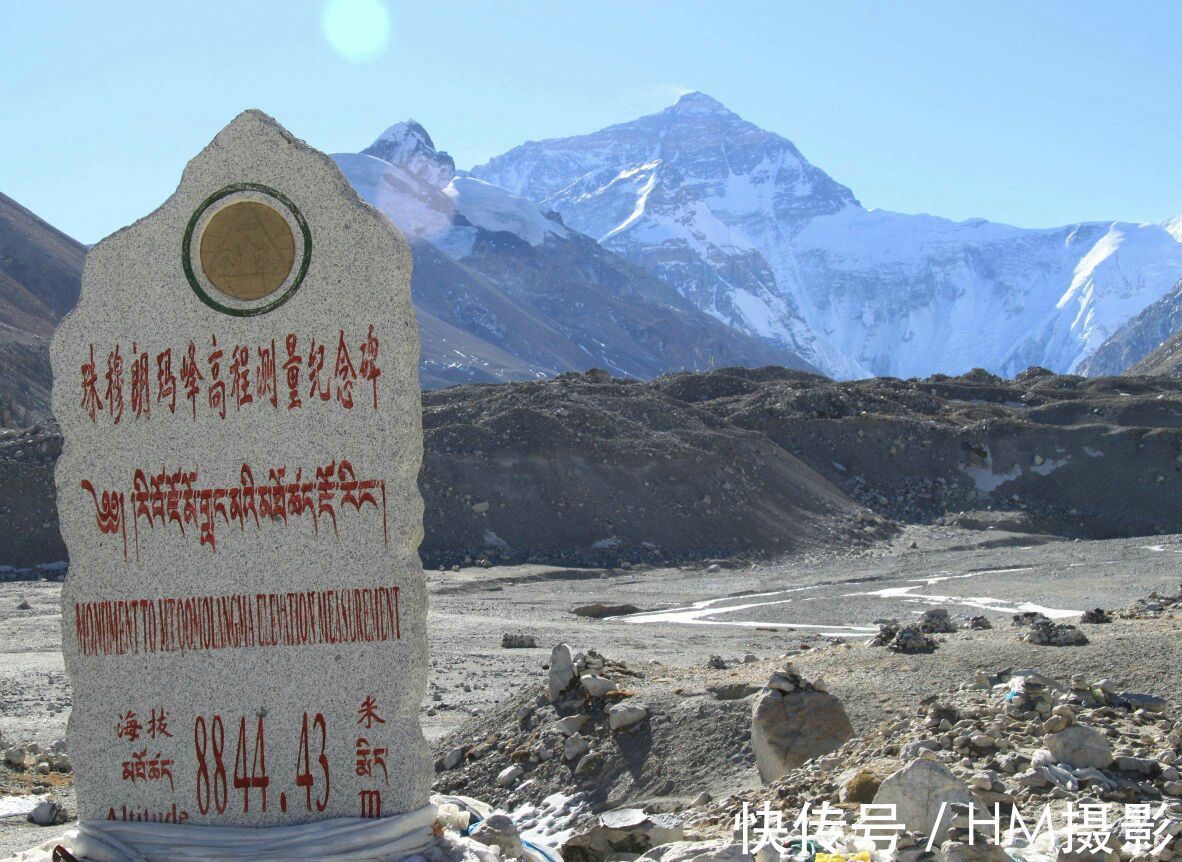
(739, 222)
(505, 290)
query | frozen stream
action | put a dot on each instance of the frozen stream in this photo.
(852, 614)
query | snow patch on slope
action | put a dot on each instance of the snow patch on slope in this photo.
(494, 209)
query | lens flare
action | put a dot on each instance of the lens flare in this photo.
(357, 30)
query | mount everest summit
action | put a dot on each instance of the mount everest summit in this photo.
(739, 222)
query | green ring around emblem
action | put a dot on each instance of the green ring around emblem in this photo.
(187, 243)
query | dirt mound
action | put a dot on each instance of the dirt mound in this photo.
(579, 471)
(28, 505)
(585, 469)
(657, 733)
(1067, 455)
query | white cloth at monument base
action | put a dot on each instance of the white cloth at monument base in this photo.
(346, 839)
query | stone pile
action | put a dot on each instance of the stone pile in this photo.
(1153, 606)
(937, 621)
(44, 771)
(1044, 632)
(1095, 616)
(1017, 739)
(31, 757)
(565, 736)
(910, 638)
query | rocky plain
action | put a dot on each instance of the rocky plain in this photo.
(655, 603)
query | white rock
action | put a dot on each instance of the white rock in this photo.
(508, 776)
(571, 724)
(779, 682)
(1080, 746)
(453, 758)
(917, 792)
(597, 686)
(788, 729)
(575, 746)
(562, 670)
(499, 830)
(624, 715)
(451, 816)
(47, 813)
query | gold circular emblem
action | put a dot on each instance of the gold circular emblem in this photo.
(247, 250)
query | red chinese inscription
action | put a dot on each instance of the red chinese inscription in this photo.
(219, 376)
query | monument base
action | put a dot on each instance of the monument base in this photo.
(347, 839)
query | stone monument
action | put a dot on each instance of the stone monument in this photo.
(244, 617)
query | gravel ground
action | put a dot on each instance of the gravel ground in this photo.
(765, 609)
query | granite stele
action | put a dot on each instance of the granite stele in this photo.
(244, 617)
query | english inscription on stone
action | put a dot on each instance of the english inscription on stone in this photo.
(244, 618)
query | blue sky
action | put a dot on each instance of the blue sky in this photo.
(1033, 113)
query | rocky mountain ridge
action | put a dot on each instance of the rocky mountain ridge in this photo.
(1137, 339)
(40, 275)
(1166, 361)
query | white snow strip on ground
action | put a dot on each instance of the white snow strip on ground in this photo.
(705, 612)
(700, 613)
(17, 806)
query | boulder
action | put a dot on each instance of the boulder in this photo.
(624, 715)
(562, 671)
(590, 764)
(858, 786)
(1148, 702)
(917, 792)
(597, 686)
(18, 758)
(48, 813)
(1079, 746)
(499, 830)
(575, 746)
(788, 729)
(600, 610)
(508, 776)
(454, 757)
(570, 725)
